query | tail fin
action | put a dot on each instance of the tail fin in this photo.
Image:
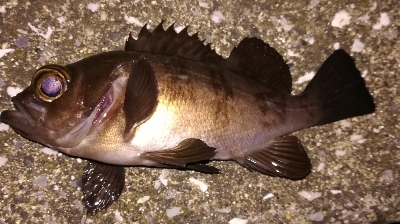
(339, 89)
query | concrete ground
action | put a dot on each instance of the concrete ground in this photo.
(356, 162)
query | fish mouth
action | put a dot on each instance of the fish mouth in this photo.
(24, 123)
(17, 120)
(20, 120)
(22, 111)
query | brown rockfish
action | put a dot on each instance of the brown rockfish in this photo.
(170, 101)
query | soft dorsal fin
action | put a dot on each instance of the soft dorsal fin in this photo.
(252, 57)
(169, 42)
(256, 58)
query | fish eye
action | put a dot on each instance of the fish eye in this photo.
(51, 86)
(50, 82)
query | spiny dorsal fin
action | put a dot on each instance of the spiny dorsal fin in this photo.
(257, 59)
(252, 57)
(169, 42)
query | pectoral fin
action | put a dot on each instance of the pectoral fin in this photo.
(102, 185)
(140, 96)
(188, 151)
(283, 157)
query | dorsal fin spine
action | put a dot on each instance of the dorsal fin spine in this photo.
(252, 57)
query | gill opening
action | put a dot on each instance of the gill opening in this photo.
(110, 102)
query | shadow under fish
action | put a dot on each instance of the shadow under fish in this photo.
(170, 101)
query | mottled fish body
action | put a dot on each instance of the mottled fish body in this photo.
(170, 101)
(198, 101)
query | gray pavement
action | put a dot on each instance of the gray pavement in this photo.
(356, 162)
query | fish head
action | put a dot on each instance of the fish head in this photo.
(64, 104)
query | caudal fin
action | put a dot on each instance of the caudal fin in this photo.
(339, 90)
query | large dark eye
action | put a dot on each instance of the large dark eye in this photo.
(50, 82)
(51, 86)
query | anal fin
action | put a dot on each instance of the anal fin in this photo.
(283, 157)
(190, 150)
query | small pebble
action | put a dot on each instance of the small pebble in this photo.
(3, 161)
(204, 5)
(49, 151)
(150, 218)
(118, 216)
(28, 161)
(270, 195)
(336, 191)
(238, 221)
(318, 217)
(174, 211)
(387, 174)
(203, 186)
(41, 181)
(217, 16)
(169, 195)
(340, 152)
(13, 91)
(22, 41)
(320, 167)
(224, 210)
(79, 205)
(24, 214)
(310, 195)
(18, 199)
(162, 178)
(18, 145)
(341, 19)
(93, 7)
(357, 46)
(143, 199)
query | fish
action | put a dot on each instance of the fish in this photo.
(170, 101)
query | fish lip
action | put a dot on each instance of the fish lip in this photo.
(22, 111)
(7, 115)
(17, 120)
(20, 123)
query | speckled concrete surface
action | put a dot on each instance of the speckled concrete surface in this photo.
(356, 162)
